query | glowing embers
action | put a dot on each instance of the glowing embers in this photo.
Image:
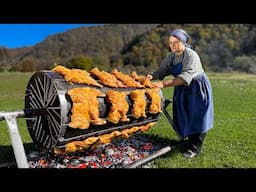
(120, 153)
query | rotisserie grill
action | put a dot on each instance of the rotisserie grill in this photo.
(48, 111)
(49, 106)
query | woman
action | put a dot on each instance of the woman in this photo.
(192, 99)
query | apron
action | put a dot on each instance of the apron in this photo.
(192, 105)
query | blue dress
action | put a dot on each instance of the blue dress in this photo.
(192, 105)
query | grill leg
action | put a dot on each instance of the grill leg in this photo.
(167, 115)
(17, 144)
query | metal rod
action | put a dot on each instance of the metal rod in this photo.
(17, 144)
(168, 117)
(106, 131)
(18, 114)
(150, 157)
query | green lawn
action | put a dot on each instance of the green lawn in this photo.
(230, 144)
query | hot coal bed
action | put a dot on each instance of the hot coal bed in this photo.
(137, 151)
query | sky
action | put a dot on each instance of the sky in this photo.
(21, 35)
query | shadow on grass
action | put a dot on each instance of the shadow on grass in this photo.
(176, 146)
(7, 153)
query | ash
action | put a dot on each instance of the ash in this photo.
(119, 154)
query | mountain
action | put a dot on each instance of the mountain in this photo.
(140, 47)
(98, 41)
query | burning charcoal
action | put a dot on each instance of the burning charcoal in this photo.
(109, 152)
(93, 165)
(117, 154)
(127, 161)
(32, 164)
(82, 166)
(65, 161)
(59, 158)
(89, 158)
(74, 162)
(58, 166)
(49, 155)
(147, 146)
(33, 155)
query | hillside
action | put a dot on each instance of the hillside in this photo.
(100, 41)
(222, 47)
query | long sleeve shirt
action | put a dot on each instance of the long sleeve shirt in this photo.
(191, 62)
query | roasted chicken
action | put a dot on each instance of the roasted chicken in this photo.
(126, 79)
(80, 117)
(139, 103)
(142, 79)
(106, 78)
(76, 76)
(85, 108)
(147, 126)
(126, 133)
(155, 105)
(79, 145)
(119, 106)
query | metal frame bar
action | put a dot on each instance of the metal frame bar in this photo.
(156, 154)
(167, 115)
(17, 145)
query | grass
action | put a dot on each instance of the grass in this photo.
(12, 93)
(229, 144)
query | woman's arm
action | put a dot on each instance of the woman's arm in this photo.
(169, 83)
(174, 82)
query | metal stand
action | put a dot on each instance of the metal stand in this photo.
(167, 115)
(18, 148)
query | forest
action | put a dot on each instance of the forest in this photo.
(140, 47)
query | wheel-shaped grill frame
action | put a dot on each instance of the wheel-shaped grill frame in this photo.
(44, 96)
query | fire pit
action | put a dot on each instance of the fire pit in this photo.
(135, 151)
